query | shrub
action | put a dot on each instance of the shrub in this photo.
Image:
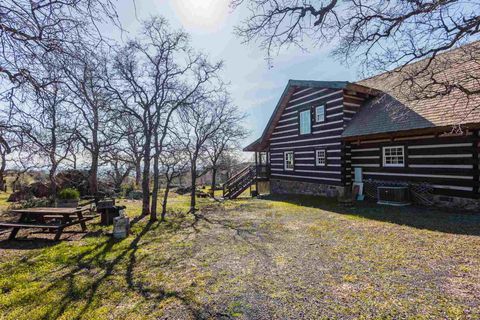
(126, 189)
(76, 179)
(135, 195)
(69, 194)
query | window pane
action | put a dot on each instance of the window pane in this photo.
(320, 113)
(305, 122)
(288, 160)
(321, 157)
(393, 156)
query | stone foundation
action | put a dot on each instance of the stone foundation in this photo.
(456, 203)
(426, 192)
(278, 186)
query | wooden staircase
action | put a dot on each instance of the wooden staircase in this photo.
(240, 182)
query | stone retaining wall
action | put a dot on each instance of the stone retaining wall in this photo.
(278, 186)
(456, 203)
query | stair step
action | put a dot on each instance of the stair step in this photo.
(240, 184)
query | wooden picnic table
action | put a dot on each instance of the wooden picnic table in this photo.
(48, 218)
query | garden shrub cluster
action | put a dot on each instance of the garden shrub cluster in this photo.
(69, 194)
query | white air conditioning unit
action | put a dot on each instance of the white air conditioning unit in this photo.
(393, 196)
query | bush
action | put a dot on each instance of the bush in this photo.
(76, 179)
(135, 195)
(126, 189)
(69, 194)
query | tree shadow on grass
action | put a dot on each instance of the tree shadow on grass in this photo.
(37, 239)
(26, 244)
(448, 221)
(127, 257)
(105, 262)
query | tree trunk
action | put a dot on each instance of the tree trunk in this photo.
(53, 159)
(93, 174)
(74, 159)
(138, 172)
(117, 177)
(193, 173)
(118, 186)
(180, 180)
(2, 172)
(92, 179)
(156, 178)
(53, 181)
(165, 200)
(214, 180)
(146, 174)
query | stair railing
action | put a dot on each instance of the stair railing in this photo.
(239, 181)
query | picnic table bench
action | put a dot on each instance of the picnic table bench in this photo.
(48, 218)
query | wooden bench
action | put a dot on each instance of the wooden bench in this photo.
(16, 226)
(40, 217)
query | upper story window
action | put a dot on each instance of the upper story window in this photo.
(321, 157)
(320, 113)
(394, 156)
(305, 122)
(288, 160)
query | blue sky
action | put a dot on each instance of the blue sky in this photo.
(255, 87)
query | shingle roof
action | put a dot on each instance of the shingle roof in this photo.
(416, 104)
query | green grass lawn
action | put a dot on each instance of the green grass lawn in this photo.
(274, 258)
(3, 201)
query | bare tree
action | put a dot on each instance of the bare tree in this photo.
(133, 143)
(35, 36)
(43, 129)
(231, 162)
(225, 140)
(196, 125)
(5, 149)
(21, 165)
(173, 164)
(76, 154)
(119, 165)
(380, 35)
(158, 73)
(33, 32)
(85, 78)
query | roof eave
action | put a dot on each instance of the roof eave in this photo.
(363, 89)
(254, 146)
(407, 133)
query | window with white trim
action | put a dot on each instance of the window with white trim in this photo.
(305, 122)
(321, 157)
(394, 156)
(288, 160)
(320, 113)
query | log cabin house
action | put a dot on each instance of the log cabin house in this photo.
(382, 131)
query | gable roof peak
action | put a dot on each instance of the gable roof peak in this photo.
(317, 84)
(291, 86)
